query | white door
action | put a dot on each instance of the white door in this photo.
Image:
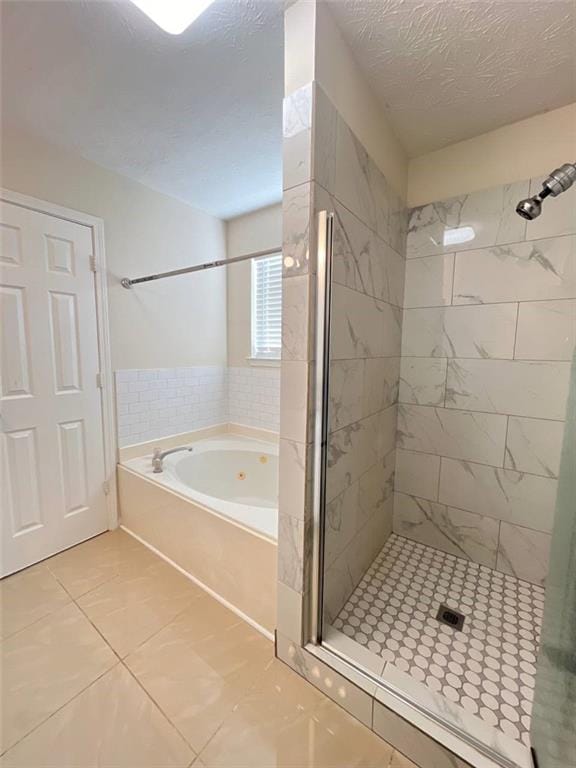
(52, 449)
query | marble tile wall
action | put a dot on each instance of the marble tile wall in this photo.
(488, 331)
(154, 403)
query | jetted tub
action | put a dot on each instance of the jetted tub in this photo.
(213, 512)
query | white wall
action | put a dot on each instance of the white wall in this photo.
(255, 231)
(176, 322)
(528, 148)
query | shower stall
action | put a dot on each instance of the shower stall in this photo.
(427, 545)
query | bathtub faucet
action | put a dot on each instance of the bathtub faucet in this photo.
(159, 455)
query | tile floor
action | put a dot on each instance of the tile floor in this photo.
(489, 667)
(112, 658)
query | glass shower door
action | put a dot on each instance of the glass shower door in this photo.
(553, 732)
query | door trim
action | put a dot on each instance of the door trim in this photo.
(103, 331)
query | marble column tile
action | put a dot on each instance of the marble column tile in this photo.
(294, 551)
(504, 494)
(325, 119)
(375, 489)
(398, 222)
(296, 247)
(488, 216)
(534, 445)
(341, 522)
(363, 326)
(455, 531)
(423, 380)
(297, 317)
(482, 331)
(381, 382)
(290, 605)
(457, 434)
(546, 330)
(417, 474)
(295, 478)
(297, 137)
(515, 387)
(346, 385)
(543, 269)
(559, 218)
(523, 553)
(429, 281)
(295, 404)
(359, 184)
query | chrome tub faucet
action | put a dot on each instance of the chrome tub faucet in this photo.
(159, 455)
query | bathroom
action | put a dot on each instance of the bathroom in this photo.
(313, 507)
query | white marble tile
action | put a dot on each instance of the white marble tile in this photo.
(363, 326)
(398, 224)
(294, 400)
(359, 184)
(341, 523)
(291, 552)
(324, 147)
(523, 553)
(295, 461)
(375, 488)
(558, 217)
(296, 208)
(346, 384)
(423, 380)
(543, 269)
(534, 445)
(458, 434)
(297, 305)
(515, 497)
(429, 281)
(515, 387)
(297, 137)
(546, 330)
(289, 612)
(452, 530)
(489, 216)
(483, 331)
(417, 474)
(381, 382)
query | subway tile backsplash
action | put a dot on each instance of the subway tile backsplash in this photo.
(154, 403)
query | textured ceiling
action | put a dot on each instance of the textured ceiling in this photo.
(447, 70)
(197, 116)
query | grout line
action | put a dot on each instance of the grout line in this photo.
(506, 448)
(516, 331)
(486, 413)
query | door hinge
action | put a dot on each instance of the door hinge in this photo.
(106, 487)
(99, 381)
(93, 265)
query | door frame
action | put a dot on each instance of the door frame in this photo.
(96, 225)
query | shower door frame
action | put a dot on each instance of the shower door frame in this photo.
(407, 708)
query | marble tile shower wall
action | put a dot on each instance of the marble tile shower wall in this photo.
(368, 284)
(154, 403)
(488, 331)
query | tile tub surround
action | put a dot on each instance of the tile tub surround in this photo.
(488, 331)
(212, 550)
(155, 403)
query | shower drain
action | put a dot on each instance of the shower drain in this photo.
(449, 616)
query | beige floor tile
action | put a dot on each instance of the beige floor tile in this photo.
(45, 665)
(399, 761)
(200, 666)
(132, 607)
(112, 724)
(28, 596)
(286, 722)
(98, 560)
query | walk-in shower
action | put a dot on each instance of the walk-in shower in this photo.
(559, 181)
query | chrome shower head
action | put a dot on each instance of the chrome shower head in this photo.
(559, 181)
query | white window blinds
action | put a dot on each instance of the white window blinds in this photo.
(267, 307)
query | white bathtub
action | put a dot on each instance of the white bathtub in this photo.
(236, 477)
(213, 514)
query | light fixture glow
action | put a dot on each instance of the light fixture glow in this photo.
(173, 16)
(458, 235)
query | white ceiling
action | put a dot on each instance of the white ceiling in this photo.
(447, 70)
(198, 116)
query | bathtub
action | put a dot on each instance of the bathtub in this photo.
(213, 513)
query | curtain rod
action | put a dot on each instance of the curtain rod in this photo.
(128, 282)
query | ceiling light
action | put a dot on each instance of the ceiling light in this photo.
(173, 16)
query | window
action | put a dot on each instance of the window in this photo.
(267, 307)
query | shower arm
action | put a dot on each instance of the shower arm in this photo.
(128, 282)
(557, 182)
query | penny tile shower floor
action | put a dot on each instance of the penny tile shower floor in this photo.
(489, 667)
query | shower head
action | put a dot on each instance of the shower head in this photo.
(559, 181)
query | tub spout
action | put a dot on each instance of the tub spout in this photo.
(159, 455)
